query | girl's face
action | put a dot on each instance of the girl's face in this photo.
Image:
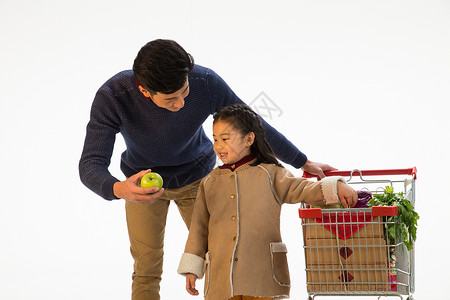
(229, 144)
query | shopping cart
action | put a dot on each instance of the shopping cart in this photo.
(349, 251)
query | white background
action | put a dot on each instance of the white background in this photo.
(361, 84)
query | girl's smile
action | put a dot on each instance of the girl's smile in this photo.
(222, 155)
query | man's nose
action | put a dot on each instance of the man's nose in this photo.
(179, 103)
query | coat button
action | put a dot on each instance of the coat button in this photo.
(234, 238)
(233, 218)
(232, 196)
(235, 259)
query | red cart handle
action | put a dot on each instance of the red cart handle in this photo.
(316, 213)
(411, 171)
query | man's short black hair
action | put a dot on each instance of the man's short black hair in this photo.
(162, 66)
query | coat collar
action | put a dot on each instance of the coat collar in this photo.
(232, 167)
(226, 171)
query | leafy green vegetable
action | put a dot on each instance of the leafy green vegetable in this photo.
(406, 226)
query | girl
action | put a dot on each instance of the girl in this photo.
(234, 236)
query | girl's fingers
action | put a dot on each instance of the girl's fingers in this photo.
(190, 286)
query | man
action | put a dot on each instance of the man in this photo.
(159, 108)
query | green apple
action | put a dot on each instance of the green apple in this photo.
(151, 180)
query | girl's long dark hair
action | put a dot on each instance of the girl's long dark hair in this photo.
(245, 120)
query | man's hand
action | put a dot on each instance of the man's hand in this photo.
(190, 284)
(346, 194)
(131, 190)
(316, 168)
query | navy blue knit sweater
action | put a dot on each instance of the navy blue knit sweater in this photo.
(172, 144)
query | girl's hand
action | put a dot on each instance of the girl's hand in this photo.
(346, 194)
(190, 284)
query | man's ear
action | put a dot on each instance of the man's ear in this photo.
(144, 92)
(250, 138)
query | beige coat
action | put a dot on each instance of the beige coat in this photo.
(234, 236)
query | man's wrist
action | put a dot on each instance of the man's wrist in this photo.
(116, 189)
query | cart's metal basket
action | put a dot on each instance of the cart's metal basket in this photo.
(349, 251)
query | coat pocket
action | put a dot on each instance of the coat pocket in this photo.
(207, 268)
(280, 269)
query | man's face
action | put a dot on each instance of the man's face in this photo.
(173, 102)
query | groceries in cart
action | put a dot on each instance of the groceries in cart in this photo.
(369, 249)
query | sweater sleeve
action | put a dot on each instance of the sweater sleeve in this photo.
(222, 95)
(290, 189)
(98, 147)
(193, 259)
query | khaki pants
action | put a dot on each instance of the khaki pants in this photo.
(249, 298)
(146, 227)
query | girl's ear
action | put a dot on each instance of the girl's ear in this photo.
(249, 138)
